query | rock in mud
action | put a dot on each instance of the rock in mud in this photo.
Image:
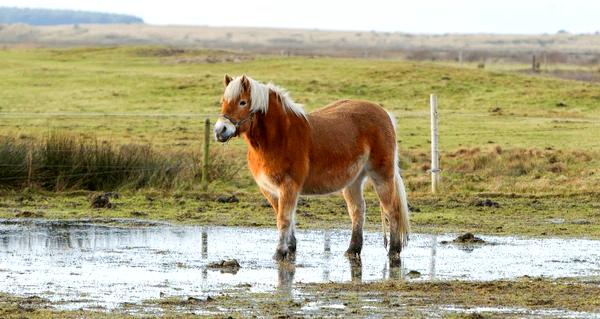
(103, 200)
(228, 199)
(229, 265)
(100, 201)
(468, 238)
(194, 300)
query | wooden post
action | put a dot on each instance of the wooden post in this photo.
(435, 157)
(533, 64)
(29, 168)
(205, 164)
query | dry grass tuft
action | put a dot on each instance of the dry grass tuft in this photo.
(61, 162)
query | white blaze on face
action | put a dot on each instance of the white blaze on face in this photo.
(224, 129)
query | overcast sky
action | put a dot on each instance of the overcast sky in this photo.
(418, 16)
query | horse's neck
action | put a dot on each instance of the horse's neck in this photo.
(273, 130)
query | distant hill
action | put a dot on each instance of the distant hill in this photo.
(9, 15)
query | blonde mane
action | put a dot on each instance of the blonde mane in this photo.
(259, 93)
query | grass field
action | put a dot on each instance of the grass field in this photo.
(504, 135)
(173, 85)
(528, 143)
(160, 96)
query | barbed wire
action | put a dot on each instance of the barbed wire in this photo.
(90, 166)
(97, 114)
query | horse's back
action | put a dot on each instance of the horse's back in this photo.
(351, 117)
(344, 137)
(341, 107)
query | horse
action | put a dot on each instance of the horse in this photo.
(337, 147)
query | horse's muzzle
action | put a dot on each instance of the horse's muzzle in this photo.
(224, 130)
(222, 138)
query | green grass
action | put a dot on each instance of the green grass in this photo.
(142, 81)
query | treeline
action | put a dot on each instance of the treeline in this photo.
(9, 15)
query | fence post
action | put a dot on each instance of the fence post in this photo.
(205, 164)
(534, 64)
(29, 167)
(435, 157)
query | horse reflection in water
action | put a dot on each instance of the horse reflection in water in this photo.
(286, 270)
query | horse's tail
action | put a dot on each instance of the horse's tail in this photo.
(401, 200)
(404, 223)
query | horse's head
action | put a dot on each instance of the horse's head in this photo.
(236, 110)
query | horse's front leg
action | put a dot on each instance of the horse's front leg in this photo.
(274, 201)
(288, 197)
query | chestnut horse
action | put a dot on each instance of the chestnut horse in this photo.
(291, 153)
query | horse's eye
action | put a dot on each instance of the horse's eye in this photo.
(242, 103)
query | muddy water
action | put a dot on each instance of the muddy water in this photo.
(82, 264)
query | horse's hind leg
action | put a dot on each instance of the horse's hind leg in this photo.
(390, 190)
(353, 194)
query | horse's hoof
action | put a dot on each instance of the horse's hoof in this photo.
(279, 255)
(292, 248)
(284, 255)
(292, 244)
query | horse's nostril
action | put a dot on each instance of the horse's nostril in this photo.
(223, 129)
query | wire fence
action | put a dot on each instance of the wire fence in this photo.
(157, 132)
(124, 120)
(92, 114)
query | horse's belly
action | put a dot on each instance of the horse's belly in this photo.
(333, 177)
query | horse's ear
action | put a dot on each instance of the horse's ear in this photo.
(227, 79)
(245, 83)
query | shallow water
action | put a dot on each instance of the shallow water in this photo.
(81, 264)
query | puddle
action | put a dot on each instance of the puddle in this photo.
(80, 264)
